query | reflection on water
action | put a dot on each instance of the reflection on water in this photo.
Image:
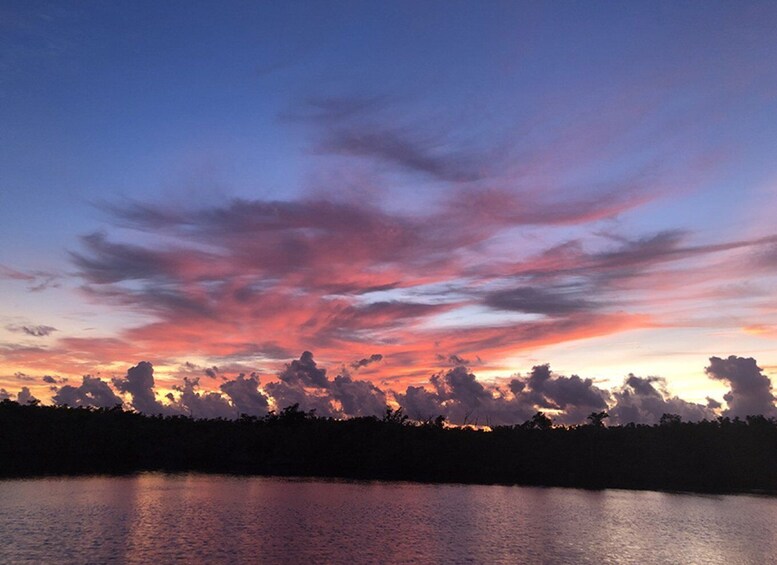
(219, 519)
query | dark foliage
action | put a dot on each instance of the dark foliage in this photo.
(710, 456)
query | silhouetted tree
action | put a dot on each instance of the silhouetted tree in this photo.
(597, 418)
(674, 455)
(670, 420)
(392, 416)
(541, 422)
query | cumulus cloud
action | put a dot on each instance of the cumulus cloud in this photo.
(25, 396)
(202, 404)
(285, 394)
(358, 397)
(751, 390)
(139, 384)
(304, 383)
(574, 397)
(458, 395)
(643, 400)
(462, 399)
(421, 404)
(304, 371)
(92, 392)
(455, 393)
(245, 395)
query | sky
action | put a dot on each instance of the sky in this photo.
(475, 209)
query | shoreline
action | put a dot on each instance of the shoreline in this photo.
(718, 457)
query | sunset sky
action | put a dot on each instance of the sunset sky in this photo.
(403, 189)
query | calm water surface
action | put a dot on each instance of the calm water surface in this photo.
(220, 519)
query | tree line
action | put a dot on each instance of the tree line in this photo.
(721, 455)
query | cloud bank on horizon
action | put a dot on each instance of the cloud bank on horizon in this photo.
(583, 185)
(455, 394)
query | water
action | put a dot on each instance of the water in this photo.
(219, 519)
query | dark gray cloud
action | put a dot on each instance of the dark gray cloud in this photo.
(160, 297)
(34, 331)
(201, 405)
(304, 371)
(545, 278)
(374, 358)
(462, 386)
(25, 396)
(460, 397)
(139, 384)
(574, 391)
(454, 360)
(517, 386)
(713, 404)
(287, 393)
(456, 394)
(24, 377)
(633, 257)
(357, 397)
(114, 262)
(751, 390)
(245, 395)
(573, 397)
(303, 382)
(553, 301)
(643, 400)
(347, 322)
(663, 246)
(421, 404)
(91, 392)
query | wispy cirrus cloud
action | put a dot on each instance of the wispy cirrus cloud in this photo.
(342, 277)
(524, 258)
(314, 272)
(37, 281)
